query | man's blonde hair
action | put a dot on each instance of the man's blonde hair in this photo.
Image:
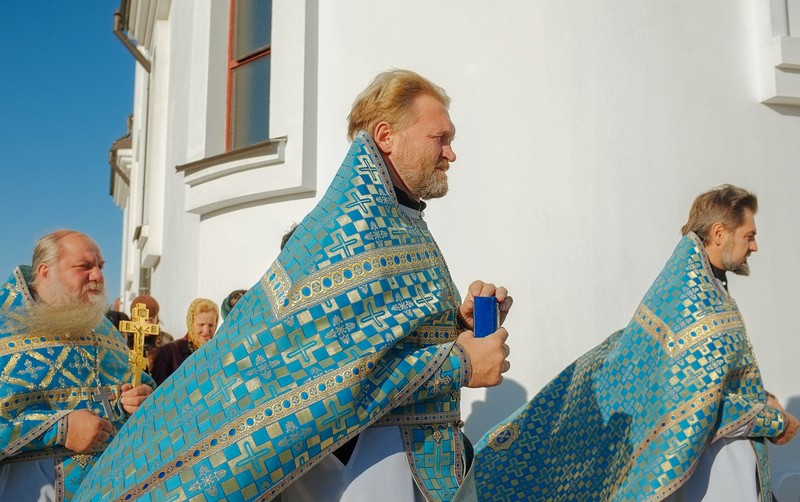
(390, 97)
(724, 204)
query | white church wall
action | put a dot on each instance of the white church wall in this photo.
(242, 244)
(196, 82)
(156, 149)
(132, 215)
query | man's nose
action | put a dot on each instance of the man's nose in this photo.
(448, 153)
(96, 275)
(753, 246)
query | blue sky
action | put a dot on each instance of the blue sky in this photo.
(66, 90)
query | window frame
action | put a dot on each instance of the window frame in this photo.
(233, 65)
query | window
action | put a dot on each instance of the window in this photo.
(249, 73)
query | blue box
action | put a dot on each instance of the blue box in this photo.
(487, 315)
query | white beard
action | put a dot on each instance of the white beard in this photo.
(73, 319)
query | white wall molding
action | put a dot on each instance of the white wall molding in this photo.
(782, 82)
(783, 88)
(254, 174)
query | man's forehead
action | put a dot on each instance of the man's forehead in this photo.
(430, 108)
(748, 224)
(79, 246)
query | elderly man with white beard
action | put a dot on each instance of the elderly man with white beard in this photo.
(62, 371)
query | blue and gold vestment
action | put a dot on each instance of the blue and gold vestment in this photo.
(352, 326)
(629, 419)
(44, 376)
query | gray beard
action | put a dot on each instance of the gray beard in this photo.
(75, 319)
(731, 266)
(741, 269)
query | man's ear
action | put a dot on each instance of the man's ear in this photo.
(383, 136)
(43, 270)
(717, 233)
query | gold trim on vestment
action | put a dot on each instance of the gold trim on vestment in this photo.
(48, 453)
(287, 299)
(700, 329)
(17, 343)
(69, 396)
(439, 417)
(432, 335)
(667, 421)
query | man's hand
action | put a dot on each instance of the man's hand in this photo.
(790, 422)
(487, 356)
(86, 430)
(132, 397)
(479, 288)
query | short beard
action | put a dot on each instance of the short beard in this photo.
(425, 177)
(433, 187)
(742, 268)
(424, 183)
(74, 318)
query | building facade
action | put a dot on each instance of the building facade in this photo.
(585, 129)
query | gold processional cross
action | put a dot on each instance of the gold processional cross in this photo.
(139, 328)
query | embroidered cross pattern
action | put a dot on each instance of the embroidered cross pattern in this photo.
(32, 370)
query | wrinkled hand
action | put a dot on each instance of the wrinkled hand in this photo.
(86, 430)
(790, 422)
(487, 356)
(479, 288)
(132, 397)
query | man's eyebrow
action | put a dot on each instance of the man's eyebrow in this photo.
(449, 133)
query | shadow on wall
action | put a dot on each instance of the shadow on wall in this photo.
(500, 402)
(785, 462)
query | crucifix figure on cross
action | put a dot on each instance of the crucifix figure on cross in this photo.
(139, 328)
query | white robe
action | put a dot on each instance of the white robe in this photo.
(28, 481)
(377, 470)
(726, 470)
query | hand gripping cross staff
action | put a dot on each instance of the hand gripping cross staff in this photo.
(139, 328)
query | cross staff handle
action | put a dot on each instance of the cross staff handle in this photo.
(139, 328)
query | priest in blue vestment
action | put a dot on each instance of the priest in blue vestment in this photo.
(337, 376)
(672, 407)
(63, 371)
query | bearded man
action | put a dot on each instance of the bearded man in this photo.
(338, 375)
(62, 368)
(672, 407)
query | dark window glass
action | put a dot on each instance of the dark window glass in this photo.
(250, 106)
(253, 27)
(248, 79)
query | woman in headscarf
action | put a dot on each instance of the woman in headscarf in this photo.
(201, 321)
(230, 301)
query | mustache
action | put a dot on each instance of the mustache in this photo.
(94, 286)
